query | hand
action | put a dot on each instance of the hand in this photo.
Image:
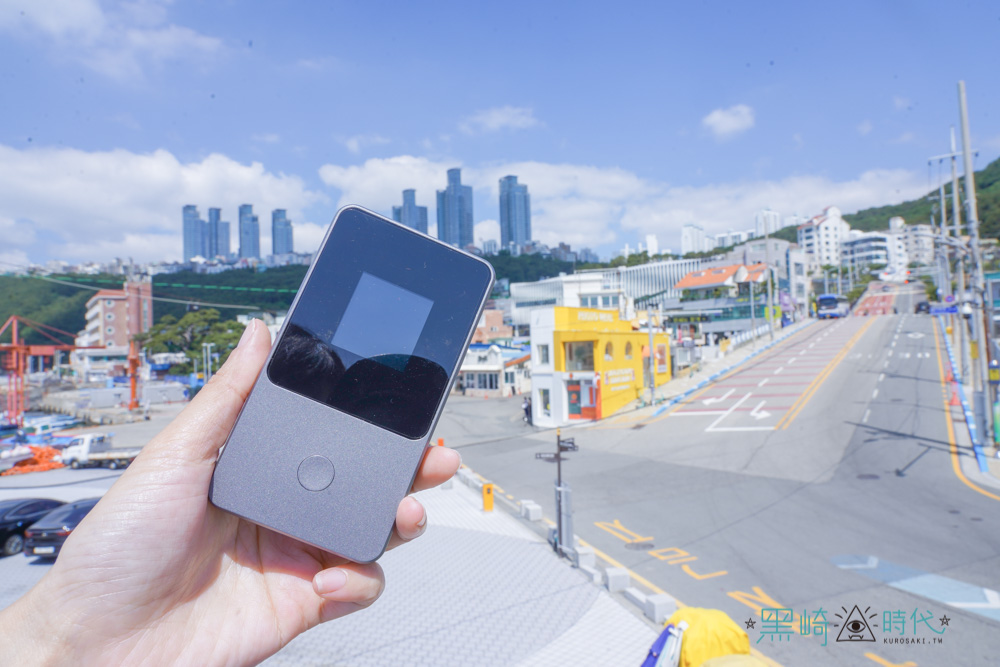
(156, 574)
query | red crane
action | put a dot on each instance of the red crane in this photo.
(14, 357)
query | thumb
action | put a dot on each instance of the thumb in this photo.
(198, 432)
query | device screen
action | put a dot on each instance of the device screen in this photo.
(380, 323)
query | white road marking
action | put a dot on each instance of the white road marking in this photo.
(811, 345)
(881, 376)
(893, 344)
(757, 413)
(864, 420)
(906, 355)
(728, 412)
(792, 360)
(875, 394)
(886, 364)
(890, 353)
(716, 399)
(763, 382)
(778, 369)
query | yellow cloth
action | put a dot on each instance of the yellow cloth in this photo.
(710, 634)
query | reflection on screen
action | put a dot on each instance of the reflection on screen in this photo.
(381, 319)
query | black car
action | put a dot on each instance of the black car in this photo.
(16, 516)
(45, 537)
(922, 307)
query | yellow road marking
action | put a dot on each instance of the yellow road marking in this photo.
(952, 443)
(814, 386)
(886, 663)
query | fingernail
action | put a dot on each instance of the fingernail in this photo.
(423, 520)
(247, 333)
(328, 582)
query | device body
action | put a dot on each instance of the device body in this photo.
(329, 441)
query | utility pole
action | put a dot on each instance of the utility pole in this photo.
(753, 319)
(956, 218)
(981, 352)
(770, 289)
(652, 360)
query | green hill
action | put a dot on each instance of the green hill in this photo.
(919, 210)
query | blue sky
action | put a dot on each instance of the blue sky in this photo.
(622, 119)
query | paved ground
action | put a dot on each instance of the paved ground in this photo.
(821, 474)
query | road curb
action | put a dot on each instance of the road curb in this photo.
(970, 421)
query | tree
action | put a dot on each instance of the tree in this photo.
(189, 333)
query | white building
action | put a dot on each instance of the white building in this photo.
(692, 238)
(919, 240)
(605, 289)
(652, 245)
(766, 222)
(865, 249)
(822, 236)
(731, 238)
(494, 371)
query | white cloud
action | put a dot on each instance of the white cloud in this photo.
(725, 123)
(904, 138)
(486, 229)
(865, 127)
(901, 103)
(123, 204)
(119, 44)
(356, 143)
(499, 118)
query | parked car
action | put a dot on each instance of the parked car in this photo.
(922, 307)
(16, 516)
(45, 537)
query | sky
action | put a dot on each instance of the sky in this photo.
(623, 119)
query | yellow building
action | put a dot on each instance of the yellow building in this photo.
(588, 364)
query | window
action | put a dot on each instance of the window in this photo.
(543, 398)
(508, 377)
(606, 301)
(609, 352)
(109, 316)
(628, 350)
(543, 354)
(109, 303)
(579, 356)
(110, 330)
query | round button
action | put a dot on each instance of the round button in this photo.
(316, 473)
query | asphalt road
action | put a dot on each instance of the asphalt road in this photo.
(817, 477)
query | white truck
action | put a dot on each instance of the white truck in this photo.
(95, 450)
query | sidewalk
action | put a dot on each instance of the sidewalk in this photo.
(479, 588)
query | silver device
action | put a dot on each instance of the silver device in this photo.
(330, 439)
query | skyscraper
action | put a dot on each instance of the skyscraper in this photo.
(454, 211)
(409, 214)
(216, 235)
(281, 232)
(249, 233)
(194, 233)
(515, 213)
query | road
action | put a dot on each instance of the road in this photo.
(819, 476)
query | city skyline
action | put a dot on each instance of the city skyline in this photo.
(159, 117)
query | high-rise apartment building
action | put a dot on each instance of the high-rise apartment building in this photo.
(411, 215)
(217, 235)
(515, 213)
(454, 211)
(692, 238)
(766, 222)
(821, 236)
(194, 233)
(249, 233)
(281, 232)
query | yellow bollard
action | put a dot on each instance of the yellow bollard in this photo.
(487, 497)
